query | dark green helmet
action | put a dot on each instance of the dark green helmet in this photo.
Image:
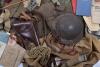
(67, 28)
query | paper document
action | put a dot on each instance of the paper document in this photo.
(96, 11)
(92, 26)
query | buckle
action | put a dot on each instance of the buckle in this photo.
(83, 58)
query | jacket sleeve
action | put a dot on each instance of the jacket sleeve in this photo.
(94, 56)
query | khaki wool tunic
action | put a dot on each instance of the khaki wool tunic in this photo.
(89, 45)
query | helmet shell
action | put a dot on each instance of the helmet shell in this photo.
(67, 28)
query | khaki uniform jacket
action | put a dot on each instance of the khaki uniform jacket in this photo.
(89, 45)
(12, 56)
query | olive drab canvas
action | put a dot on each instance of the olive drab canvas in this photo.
(49, 33)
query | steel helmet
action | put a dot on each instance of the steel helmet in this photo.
(67, 28)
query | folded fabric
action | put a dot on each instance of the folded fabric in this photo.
(4, 37)
(83, 7)
(3, 42)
